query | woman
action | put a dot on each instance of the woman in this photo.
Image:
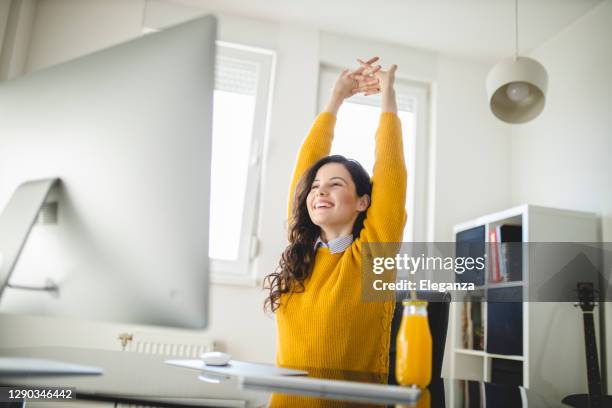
(333, 209)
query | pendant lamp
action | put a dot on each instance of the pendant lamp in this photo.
(516, 87)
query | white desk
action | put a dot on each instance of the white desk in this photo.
(145, 379)
(132, 376)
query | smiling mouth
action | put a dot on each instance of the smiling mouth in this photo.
(322, 206)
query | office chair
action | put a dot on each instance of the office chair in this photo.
(437, 314)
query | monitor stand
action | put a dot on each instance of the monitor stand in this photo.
(16, 221)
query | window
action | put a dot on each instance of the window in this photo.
(354, 138)
(242, 83)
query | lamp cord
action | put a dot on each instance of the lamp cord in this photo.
(516, 30)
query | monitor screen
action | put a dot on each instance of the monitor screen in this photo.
(127, 131)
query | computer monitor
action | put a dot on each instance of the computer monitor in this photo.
(127, 131)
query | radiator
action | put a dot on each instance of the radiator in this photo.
(183, 346)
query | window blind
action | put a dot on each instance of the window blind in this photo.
(237, 76)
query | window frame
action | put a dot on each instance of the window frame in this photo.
(241, 271)
(417, 151)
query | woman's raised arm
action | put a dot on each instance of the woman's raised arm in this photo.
(316, 145)
(319, 139)
(386, 216)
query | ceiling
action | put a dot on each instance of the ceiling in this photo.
(476, 29)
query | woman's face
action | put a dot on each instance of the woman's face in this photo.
(332, 200)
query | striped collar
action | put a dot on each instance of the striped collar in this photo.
(335, 245)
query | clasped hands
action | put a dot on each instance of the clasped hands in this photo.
(368, 78)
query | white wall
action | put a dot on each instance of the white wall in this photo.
(564, 158)
(473, 160)
(65, 29)
(471, 147)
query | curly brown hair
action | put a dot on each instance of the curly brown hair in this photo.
(297, 259)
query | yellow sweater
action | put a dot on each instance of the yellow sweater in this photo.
(327, 325)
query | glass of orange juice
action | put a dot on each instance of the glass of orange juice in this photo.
(414, 353)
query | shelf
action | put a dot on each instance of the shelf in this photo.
(539, 224)
(469, 352)
(492, 218)
(497, 285)
(480, 353)
(505, 357)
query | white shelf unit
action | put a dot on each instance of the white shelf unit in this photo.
(552, 332)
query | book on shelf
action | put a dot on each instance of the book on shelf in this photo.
(497, 395)
(511, 252)
(472, 327)
(494, 269)
(471, 244)
(505, 247)
(465, 325)
(505, 321)
(471, 395)
(503, 270)
(509, 372)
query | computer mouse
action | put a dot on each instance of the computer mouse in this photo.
(215, 358)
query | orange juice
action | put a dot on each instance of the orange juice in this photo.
(413, 365)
